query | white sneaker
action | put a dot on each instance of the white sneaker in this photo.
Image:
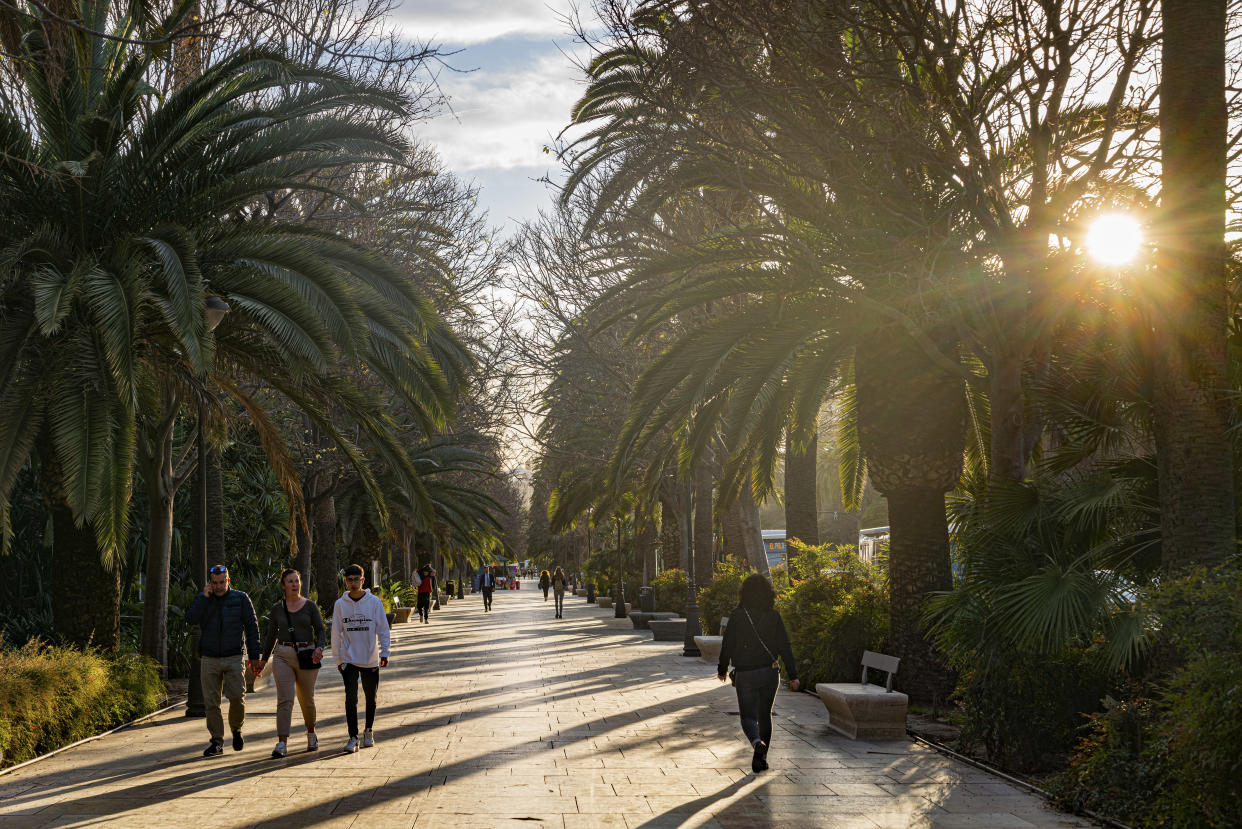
(352, 745)
(368, 738)
(281, 750)
(312, 742)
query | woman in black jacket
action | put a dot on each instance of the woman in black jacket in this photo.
(753, 640)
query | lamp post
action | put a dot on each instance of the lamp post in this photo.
(216, 308)
(689, 646)
(619, 602)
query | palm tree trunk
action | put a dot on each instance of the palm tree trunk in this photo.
(645, 543)
(750, 530)
(704, 553)
(1191, 410)
(918, 565)
(306, 545)
(324, 545)
(159, 557)
(801, 503)
(672, 503)
(215, 506)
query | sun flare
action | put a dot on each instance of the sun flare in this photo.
(1114, 239)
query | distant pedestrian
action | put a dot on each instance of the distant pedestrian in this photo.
(545, 581)
(426, 587)
(295, 639)
(753, 640)
(360, 641)
(227, 620)
(559, 582)
(487, 584)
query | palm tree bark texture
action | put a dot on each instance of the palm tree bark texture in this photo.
(801, 506)
(911, 429)
(704, 548)
(1191, 411)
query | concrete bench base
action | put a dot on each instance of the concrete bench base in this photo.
(864, 712)
(604, 601)
(709, 648)
(579, 591)
(640, 619)
(667, 630)
(402, 615)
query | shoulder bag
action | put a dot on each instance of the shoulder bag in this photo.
(306, 656)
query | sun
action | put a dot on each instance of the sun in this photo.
(1114, 239)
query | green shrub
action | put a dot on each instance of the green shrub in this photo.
(718, 598)
(53, 696)
(836, 609)
(1167, 754)
(670, 591)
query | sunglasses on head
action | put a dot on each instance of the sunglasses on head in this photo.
(218, 568)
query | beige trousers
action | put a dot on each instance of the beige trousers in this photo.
(223, 674)
(290, 681)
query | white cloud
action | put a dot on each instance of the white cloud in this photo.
(464, 22)
(504, 118)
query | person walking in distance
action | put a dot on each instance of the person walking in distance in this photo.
(294, 639)
(360, 641)
(559, 582)
(228, 624)
(426, 587)
(753, 641)
(545, 581)
(487, 585)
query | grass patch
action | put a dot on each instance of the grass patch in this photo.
(51, 696)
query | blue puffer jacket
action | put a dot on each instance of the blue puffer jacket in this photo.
(226, 622)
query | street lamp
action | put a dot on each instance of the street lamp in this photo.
(619, 602)
(215, 309)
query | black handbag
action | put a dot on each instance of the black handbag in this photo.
(306, 656)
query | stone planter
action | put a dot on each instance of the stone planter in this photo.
(604, 601)
(709, 648)
(402, 615)
(667, 630)
(579, 591)
(641, 618)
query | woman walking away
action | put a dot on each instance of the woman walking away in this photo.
(425, 588)
(753, 640)
(559, 582)
(294, 640)
(358, 624)
(545, 581)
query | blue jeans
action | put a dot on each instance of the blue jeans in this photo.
(756, 692)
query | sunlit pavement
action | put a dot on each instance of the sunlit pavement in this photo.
(514, 718)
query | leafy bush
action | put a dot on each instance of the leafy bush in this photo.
(1167, 754)
(670, 591)
(53, 696)
(718, 598)
(836, 609)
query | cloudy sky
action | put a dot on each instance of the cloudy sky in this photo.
(510, 105)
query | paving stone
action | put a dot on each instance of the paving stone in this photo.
(516, 719)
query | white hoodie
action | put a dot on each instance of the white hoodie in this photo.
(355, 628)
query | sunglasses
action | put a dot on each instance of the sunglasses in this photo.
(217, 568)
(353, 578)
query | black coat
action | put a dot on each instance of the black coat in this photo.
(228, 622)
(744, 643)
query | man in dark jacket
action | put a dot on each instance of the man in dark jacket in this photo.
(227, 620)
(487, 584)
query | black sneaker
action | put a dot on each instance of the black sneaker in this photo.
(213, 749)
(759, 762)
(238, 742)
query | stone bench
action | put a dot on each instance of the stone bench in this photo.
(579, 591)
(709, 648)
(604, 601)
(667, 630)
(640, 618)
(862, 711)
(401, 615)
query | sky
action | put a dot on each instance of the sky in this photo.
(512, 96)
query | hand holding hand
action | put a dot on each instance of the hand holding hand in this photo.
(794, 685)
(317, 656)
(721, 677)
(257, 665)
(383, 661)
(341, 668)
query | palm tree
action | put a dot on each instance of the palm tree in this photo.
(1192, 413)
(133, 210)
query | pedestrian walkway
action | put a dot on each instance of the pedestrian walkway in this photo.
(515, 719)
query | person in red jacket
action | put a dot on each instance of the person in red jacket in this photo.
(426, 588)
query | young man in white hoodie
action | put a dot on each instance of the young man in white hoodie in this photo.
(360, 647)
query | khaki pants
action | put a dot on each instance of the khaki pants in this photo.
(227, 674)
(290, 681)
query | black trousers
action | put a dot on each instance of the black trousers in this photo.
(424, 605)
(487, 598)
(756, 692)
(370, 686)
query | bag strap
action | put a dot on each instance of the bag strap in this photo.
(289, 618)
(757, 636)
